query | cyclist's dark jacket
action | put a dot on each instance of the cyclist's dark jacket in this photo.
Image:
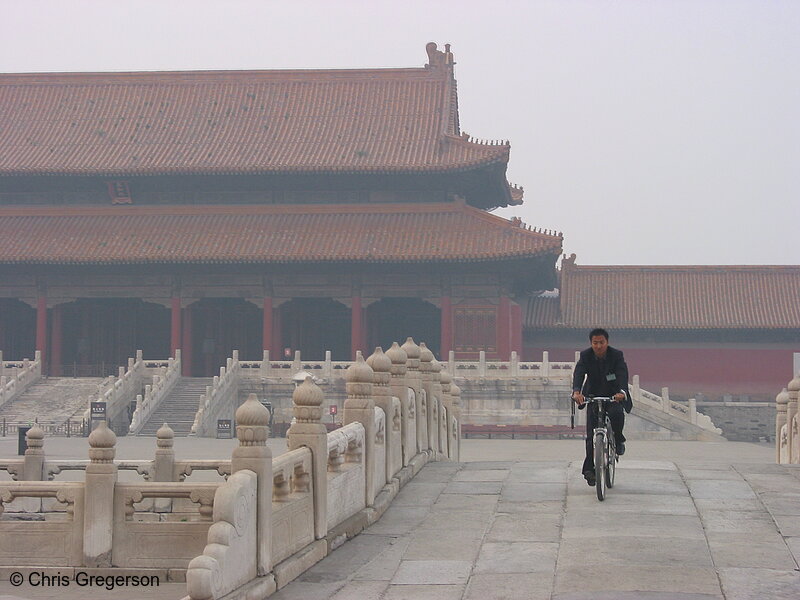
(605, 377)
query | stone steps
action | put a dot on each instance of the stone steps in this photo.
(52, 400)
(178, 409)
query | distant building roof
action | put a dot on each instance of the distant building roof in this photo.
(671, 297)
(243, 122)
(444, 232)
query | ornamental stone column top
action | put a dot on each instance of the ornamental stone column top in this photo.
(781, 399)
(252, 422)
(399, 360)
(381, 366)
(455, 392)
(165, 437)
(101, 444)
(35, 440)
(413, 352)
(425, 358)
(307, 400)
(359, 377)
(446, 379)
(794, 385)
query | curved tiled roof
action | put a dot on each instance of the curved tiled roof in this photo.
(446, 232)
(542, 311)
(677, 297)
(236, 122)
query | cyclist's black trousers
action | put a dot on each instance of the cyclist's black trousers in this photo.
(617, 416)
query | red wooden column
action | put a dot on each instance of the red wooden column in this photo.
(503, 329)
(175, 325)
(516, 329)
(277, 333)
(41, 326)
(266, 335)
(356, 327)
(57, 335)
(446, 342)
(186, 343)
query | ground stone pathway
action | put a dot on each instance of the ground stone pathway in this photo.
(686, 520)
(535, 530)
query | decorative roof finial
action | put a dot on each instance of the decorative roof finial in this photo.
(437, 58)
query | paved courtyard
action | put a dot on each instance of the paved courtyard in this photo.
(686, 520)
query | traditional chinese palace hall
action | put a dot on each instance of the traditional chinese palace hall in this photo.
(255, 210)
(323, 210)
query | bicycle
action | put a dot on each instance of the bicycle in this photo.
(605, 447)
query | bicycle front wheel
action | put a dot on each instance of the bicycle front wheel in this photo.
(600, 465)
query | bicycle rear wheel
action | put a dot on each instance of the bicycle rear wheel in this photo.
(600, 465)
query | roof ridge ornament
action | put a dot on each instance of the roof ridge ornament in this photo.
(437, 58)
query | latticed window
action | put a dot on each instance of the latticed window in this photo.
(475, 328)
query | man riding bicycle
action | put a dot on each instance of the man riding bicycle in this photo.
(601, 371)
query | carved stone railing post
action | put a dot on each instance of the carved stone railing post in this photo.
(455, 392)
(665, 401)
(399, 389)
(445, 412)
(780, 424)
(447, 399)
(382, 396)
(101, 477)
(359, 407)
(33, 467)
(693, 411)
(481, 364)
(636, 389)
(414, 379)
(426, 376)
(253, 454)
(308, 431)
(164, 463)
(791, 411)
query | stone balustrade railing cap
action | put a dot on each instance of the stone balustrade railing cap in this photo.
(397, 355)
(102, 437)
(165, 432)
(308, 394)
(359, 371)
(794, 384)
(445, 377)
(35, 433)
(411, 349)
(379, 361)
(782, 397)
(252, 413)
(425, 354)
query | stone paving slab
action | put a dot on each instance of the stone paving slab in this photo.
(686, 521)
(704, 531)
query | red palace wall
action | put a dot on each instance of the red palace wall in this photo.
(714, 371)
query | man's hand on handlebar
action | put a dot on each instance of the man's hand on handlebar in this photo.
(580, 399)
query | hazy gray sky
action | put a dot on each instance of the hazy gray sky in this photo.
(648, 132)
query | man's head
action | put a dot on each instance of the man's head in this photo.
(599, 339)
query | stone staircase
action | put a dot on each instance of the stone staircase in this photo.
(679, 428)
(179, 407)
(52, 400)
